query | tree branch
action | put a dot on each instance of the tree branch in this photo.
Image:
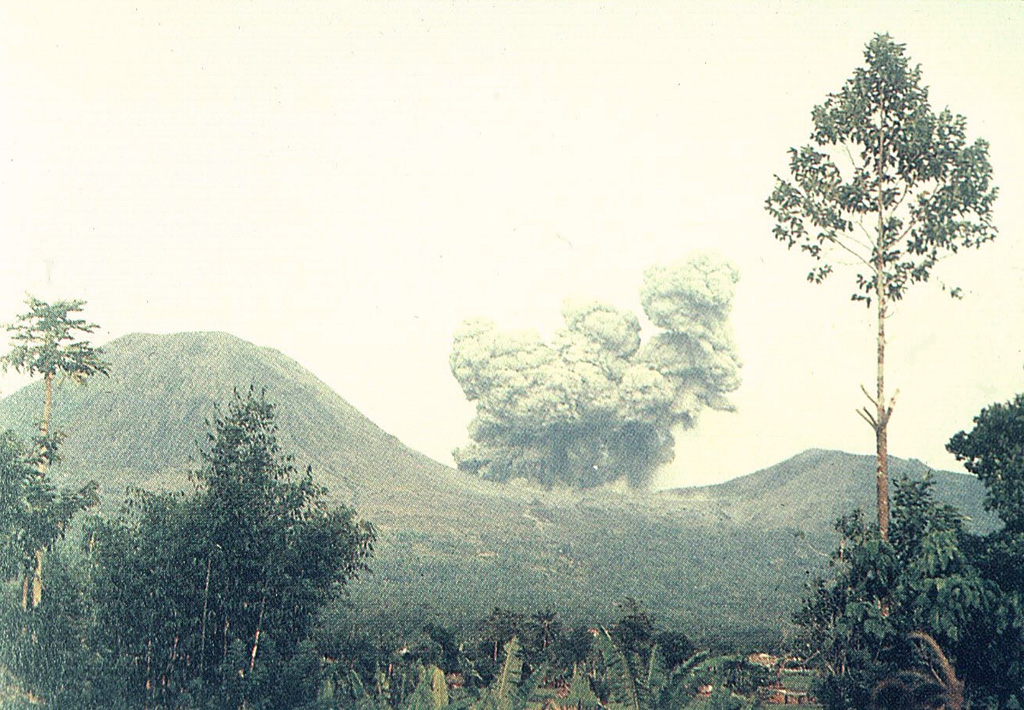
(866, 416)
(836, 241)
(869, 244)
(868, 395)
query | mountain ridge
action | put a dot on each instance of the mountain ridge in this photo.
(733, 555)
(155, 392)
(823, 484)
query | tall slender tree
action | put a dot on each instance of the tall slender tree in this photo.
(894, 188)
(46, 341)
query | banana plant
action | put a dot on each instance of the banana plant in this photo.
(431, 692)
(640, 681)
(508, 691)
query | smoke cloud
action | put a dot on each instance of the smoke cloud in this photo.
(599, 402)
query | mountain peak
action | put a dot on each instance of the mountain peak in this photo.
(145, 420)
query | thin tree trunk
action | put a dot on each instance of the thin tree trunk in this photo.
(44, 425)
(259, 630)
(882, 432)
(224, 650)
(37, 580)
(202, 635)
(881, 298)
(44, 430)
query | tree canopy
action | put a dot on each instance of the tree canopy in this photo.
(46, 340)
(861, 621)
(599, 402)
(994, 452)
(211, 596)
(892, 188)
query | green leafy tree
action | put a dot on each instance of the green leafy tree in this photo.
(213, 595)
(994, 452)
(499, 628)
(44, 656)
(859, 621)
(631, 676)
(431, 692)
(509, 690)
(581, 696)
(46, 340)
(35, 514)
(891, 186)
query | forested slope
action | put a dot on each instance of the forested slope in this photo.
(451, 546)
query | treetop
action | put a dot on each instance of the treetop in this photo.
(46, 340)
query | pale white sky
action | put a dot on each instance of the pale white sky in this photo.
(348, 181)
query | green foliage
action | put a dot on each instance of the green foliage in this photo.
(925, 578)
(34, 512)
(44, 651)
(431, 692)
(392, 674)
(722, 698)
(46, 341)
(212, 595)
(994, 452)
(581, 696)
(597, 404)
(508, 690)
(885, 180)
(634, 672)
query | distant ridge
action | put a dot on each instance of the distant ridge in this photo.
(812, 489)
(717, 559)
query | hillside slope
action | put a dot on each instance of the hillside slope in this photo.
(724, 557)
(812, 489)
(145, 423)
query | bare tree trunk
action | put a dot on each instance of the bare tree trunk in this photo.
(44, 430)
(881, 298)
(881, 425)
(44, 425)
(37, 580)
(202, 635)
(259, 630)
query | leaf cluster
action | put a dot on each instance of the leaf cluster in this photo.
(994, 452)
(46, 340)
(886, 183)
(34, 512)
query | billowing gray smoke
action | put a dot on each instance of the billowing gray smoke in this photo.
(599, 403)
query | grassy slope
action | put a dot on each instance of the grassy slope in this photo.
(452, 546)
